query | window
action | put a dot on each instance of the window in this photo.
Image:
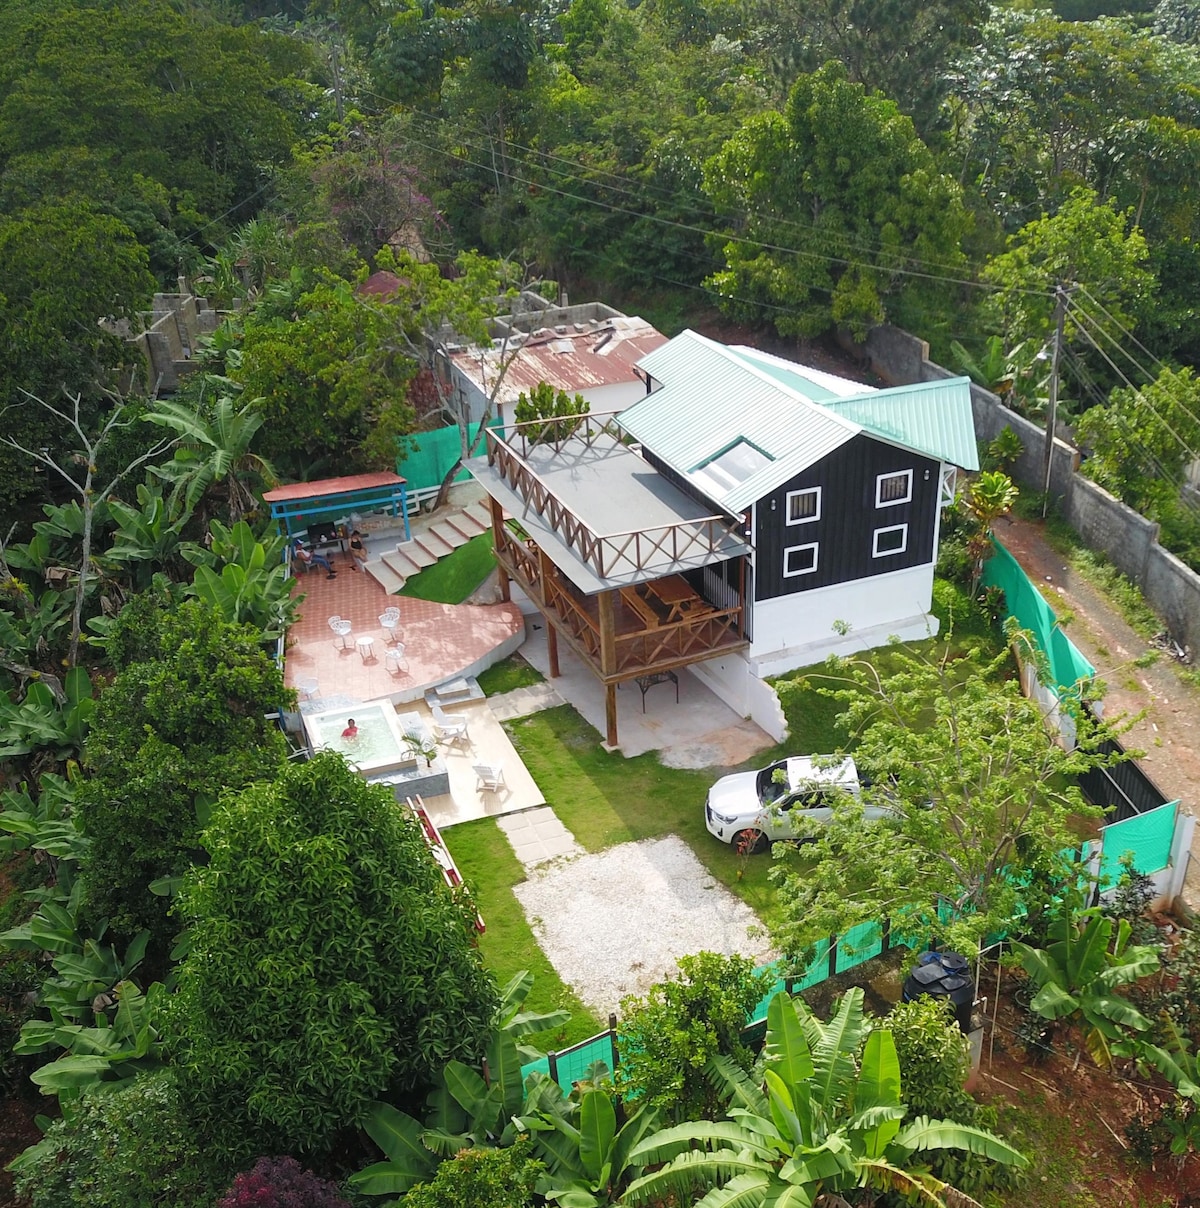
(895, 488)
(729, 468)
(890, 540)
(804, 506)
(799, 560)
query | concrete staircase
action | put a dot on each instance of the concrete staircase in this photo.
(433, 538)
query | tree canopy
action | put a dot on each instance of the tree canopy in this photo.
(328, 962)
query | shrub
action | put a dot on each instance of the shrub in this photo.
(126, 1148)
(281, 1183)
(934, 1060)
(480, 1178)
(329, 964)
(667, 1038)
(167, 736)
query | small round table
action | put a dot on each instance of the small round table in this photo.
(366, 648)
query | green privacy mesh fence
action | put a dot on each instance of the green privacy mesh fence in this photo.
(424, 457)
(1025, 602)
(1147, 837)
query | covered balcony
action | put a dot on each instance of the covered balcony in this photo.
(636, 576)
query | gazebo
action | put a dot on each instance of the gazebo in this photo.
(315, 508)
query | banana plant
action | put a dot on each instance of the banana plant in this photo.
(826, 1117)
(244, 578)
(112, 1051)
(148, 535)
(42, 820)
(464, 1109)
(1180, 1066)
(1077, 975)
(587, 1158)
(38, 722)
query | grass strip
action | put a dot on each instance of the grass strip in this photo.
(451, 579)
(490, 867)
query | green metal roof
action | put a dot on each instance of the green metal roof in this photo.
(931, 417)
(712, 396)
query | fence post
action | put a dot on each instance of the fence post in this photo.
(612, 1040)
(885, 934)
(833, 939)
(552, 1062)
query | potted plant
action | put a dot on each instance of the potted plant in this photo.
(421, 746)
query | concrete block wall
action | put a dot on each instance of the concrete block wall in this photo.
(1127, 539)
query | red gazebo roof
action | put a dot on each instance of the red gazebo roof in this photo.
(322, 487)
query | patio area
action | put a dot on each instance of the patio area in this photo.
(441, 641)
(698, 731)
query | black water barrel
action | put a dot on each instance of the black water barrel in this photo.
(944, 975)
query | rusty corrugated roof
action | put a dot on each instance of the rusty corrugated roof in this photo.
(574, 357)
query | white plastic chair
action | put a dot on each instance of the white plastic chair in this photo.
(449, 729)
(489, 777)
(341, 628)
(389, 619)
(394, 659)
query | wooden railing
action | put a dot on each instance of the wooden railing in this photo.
(666, 643)
(605, 554)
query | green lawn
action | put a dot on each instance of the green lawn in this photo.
(508, 945)
(513, 672)
(604, 799)
(453, 578)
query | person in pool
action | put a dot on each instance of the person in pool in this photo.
(351, 730)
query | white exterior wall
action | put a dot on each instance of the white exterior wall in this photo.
(612, 397)
(731, 680)
(797, 630)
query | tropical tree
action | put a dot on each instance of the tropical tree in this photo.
(989, 497)
(1077, 975)
(979, 801)
(827, 238)
(824, 1114)
(327, 963)
(214, 448)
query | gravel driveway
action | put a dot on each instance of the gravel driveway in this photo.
(616, 922)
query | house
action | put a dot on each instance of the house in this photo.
(589, 349)
(745, 517)
(840, 488)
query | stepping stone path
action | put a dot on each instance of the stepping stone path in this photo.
(538, 836)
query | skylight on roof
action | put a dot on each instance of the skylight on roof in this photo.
(730, 468)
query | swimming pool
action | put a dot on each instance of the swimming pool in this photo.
(379, 745)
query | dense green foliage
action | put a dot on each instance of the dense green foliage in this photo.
(327, 964)
(183, 721)
(668, 1038)
(128, 1148)
(480, 1178)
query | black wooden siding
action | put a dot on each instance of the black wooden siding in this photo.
(849, 519)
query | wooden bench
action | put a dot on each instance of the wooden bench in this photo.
(642, 607)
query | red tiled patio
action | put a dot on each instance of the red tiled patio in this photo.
(441, 641)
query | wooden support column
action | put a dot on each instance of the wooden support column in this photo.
(552, 648)
(497, 542)
(608, 661)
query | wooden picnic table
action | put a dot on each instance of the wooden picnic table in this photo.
(675, 592)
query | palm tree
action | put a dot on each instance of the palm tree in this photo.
(214, 447)
(988, 498)
(826, 1118)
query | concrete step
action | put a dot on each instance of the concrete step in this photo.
(467, 525)
(383, 574)
(401, 565)
(479, 512)
(418, 555)
(447, 532)
(431, 542)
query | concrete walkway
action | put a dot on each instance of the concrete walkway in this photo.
(521, 702)
(537, 836)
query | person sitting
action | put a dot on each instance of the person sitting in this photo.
(311, 559)
(358, 551)
(351, 730)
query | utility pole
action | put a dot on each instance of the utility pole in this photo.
(1060, 316)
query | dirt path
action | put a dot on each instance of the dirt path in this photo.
(1169, 733)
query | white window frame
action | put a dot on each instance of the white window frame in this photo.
(787, 506)
(880, 479)
(876, 552)
(793, 549)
